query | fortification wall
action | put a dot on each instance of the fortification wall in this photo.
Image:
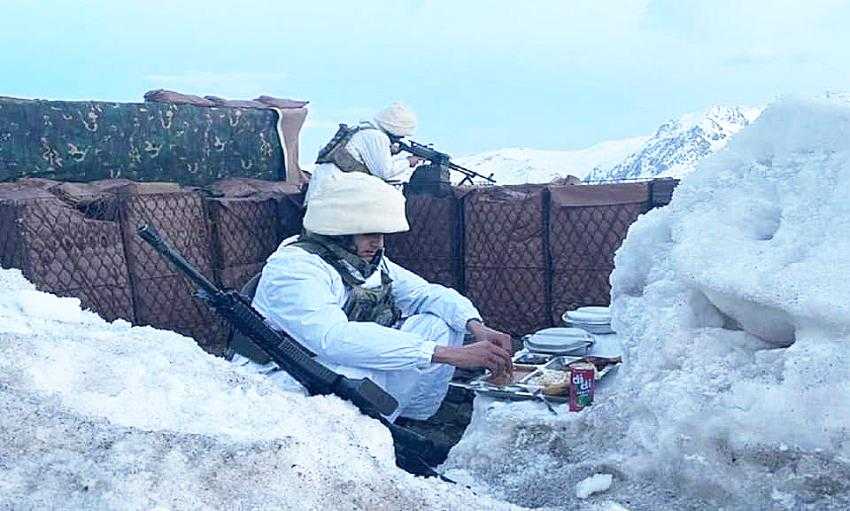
(524, 255)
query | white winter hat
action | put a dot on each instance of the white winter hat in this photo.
(355, 203)
(397, 120)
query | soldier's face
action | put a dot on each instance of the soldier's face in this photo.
(367, 245)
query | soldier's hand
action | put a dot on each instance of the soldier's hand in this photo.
(480, 332)
(413, 160)
(484, 354)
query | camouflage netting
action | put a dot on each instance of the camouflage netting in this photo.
(505, 257)
(432, 247)
(248, 222)
(66, 248)
(587, 224)
(89, 140)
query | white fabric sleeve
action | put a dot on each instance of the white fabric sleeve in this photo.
(372, 147)
(300, 294)
(415, 295)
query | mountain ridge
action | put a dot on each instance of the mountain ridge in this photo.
(672, 150)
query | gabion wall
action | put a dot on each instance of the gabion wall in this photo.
(64, 250)
(433, 247)
(587, 224)
(505, 256)
(524, 255)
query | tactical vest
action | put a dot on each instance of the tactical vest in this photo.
(335, 151)
(374, 305)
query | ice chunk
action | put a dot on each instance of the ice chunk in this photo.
(594, 484)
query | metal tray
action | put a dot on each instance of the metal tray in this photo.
(522, 391)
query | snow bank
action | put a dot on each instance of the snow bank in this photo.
(736, 300)
(109, 416)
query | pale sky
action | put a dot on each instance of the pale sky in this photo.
(481, 75)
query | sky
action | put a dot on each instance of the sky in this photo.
(481, 75)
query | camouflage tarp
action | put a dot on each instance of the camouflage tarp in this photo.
(90, 140)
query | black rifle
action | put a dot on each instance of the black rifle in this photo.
(440, 159)
(411, 449)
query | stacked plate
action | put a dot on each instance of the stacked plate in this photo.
(559, 341)
(596, 320)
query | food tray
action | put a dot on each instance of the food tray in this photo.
(522, 390)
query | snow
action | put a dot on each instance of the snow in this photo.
(735, 306)
(678, 145)
(101, 415)
(673, 150)
(732, 303)
(594, 484)
(519, 165)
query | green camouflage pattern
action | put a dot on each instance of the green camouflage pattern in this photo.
(90, 140)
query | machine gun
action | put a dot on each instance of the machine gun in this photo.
(441, 160)
(411, 449)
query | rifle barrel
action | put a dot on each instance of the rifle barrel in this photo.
(150, 234)
(424, 151)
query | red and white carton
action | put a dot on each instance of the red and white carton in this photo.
(582, 385)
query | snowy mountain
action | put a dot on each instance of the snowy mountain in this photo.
(679, 144)
(673, 150)
(521, 165)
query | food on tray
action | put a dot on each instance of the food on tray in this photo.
(599, 362)
(553, 383)
(519, 372)
(548, 377)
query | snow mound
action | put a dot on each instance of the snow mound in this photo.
(735, 302)
(103, 415)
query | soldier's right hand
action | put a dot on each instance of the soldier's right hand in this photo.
(479, 354)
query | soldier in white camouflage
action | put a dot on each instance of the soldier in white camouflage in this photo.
(368, 148)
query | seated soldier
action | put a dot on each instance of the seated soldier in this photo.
(336, 292)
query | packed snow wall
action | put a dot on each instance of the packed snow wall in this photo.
(151, 141)
(735, 391)
(520, 256)
(101, 415)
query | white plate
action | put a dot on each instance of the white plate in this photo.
(558, 337)
(588, 315)
(596, 329)
(559, 340)
(574, 350)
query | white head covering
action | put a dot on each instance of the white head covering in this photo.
(396, 120)
(355, 203)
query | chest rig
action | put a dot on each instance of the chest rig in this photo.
(366, 304)
(335, 151)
